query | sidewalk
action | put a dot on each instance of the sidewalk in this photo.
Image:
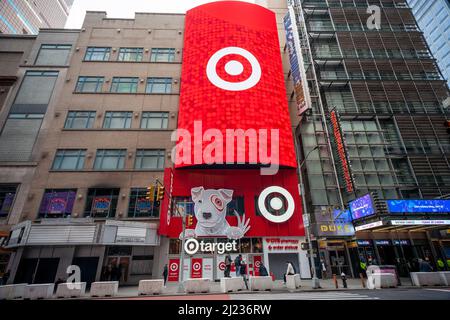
(279, 287)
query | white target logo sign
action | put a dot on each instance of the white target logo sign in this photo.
(257, 264)
(222, 266)
(174, 267)
(196, 266)
(276, 203)
(233, 68)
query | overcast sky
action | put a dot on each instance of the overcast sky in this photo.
(127, 8)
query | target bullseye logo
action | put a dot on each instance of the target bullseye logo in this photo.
(191, 246)
(257, 264)
(222, 266)
(174, 267)
(196, 266)
(276, 203)
(233, 68)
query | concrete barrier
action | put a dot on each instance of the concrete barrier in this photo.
(260, 283)
(420, 279)
(232, 284)
(200, 285)
(104, 289)
(39, 291)
(293, 281)
(445, 277)
(71, 290)
(150, 286)
(381, 280)
(12, 291)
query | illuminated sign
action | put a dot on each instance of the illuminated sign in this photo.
(362, 207)
(382, 242)
(401, 242)
(232, 86)
(335, 229)
(418, 206)
(296, 60)
(369, 226)
(419, 222)
(364, 242)
(339, 148)
(274, 209)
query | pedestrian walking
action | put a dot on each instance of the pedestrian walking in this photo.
(344, 279)
(324, 269)
(165, 274)
(228, 262)
(289, 271)
(237, 264)
(243, 272)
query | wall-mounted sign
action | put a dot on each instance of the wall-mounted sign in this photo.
(418, 206)
(369, 226)
(362, 207)
(340, 151)
(364, 243)
(57, 203)
(382, 242)
(281, 245)
(419, 222)
(173, 269)
(276, 204)
(196, 267)
(296, 61)
(333, 229)
(403, 242)
(101, 204)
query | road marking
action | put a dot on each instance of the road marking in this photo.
(443, 290)
(308, 296)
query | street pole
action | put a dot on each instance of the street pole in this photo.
(315, 283)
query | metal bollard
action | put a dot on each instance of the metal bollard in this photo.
(335, 281)
(363, 282)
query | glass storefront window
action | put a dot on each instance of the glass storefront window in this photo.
(257, 246)
(174, 246)
(245, 245)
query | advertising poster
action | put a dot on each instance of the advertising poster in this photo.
(196, 268)
(257, 260)
(174, 269)
(362, 207)
(208, 268)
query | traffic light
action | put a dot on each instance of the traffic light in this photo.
(190, 220)
(150, 194)
(160, 193)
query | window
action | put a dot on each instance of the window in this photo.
(80, 120)
(162, 55)
(159, 85)
(53, 54)
(110, 159)
(57, 203)
(124, 85)
(36, 88)
(117, 120)
(148, 159)
(97, 54)
(101, 202)
(139, 206)
(69, 159)
(7, 195)
(89, 84)
(154, 120)
(130, 54)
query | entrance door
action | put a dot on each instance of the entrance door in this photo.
(339, 262)
(25, 271)
(277, 263)
(46, 270)
(387, 255)
(88, 268)
(119, 268)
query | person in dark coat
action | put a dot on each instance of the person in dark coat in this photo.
(165, 273)
(262, 270)
(228, 262)
(237, 264)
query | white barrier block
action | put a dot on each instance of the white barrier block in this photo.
(200, 285)
(427, 279)
(150, 286)
(260, 283)
(232, 284)
(39, 291)
(12, 291)
(293, 281)
(104, 289)
(445, 277)
(381, 280)
(71, 290)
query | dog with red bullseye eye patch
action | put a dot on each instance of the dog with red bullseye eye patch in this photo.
(210, 208)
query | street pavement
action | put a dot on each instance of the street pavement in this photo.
(328, 291)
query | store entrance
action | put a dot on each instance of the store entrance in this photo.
(339, 262)
(387, 255)
(278, 266)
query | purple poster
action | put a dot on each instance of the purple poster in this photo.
(57, 203)
(362, 207)
(7, 204)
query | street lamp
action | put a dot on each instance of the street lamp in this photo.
(315, 283)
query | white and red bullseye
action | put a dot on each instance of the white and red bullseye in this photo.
(196, 266)
(174, 267)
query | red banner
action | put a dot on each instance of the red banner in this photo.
(196, 267)
(174, 269)
(257, 260)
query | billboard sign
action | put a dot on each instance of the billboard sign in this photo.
(296, 61)
(362, 207)
(418, 206)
